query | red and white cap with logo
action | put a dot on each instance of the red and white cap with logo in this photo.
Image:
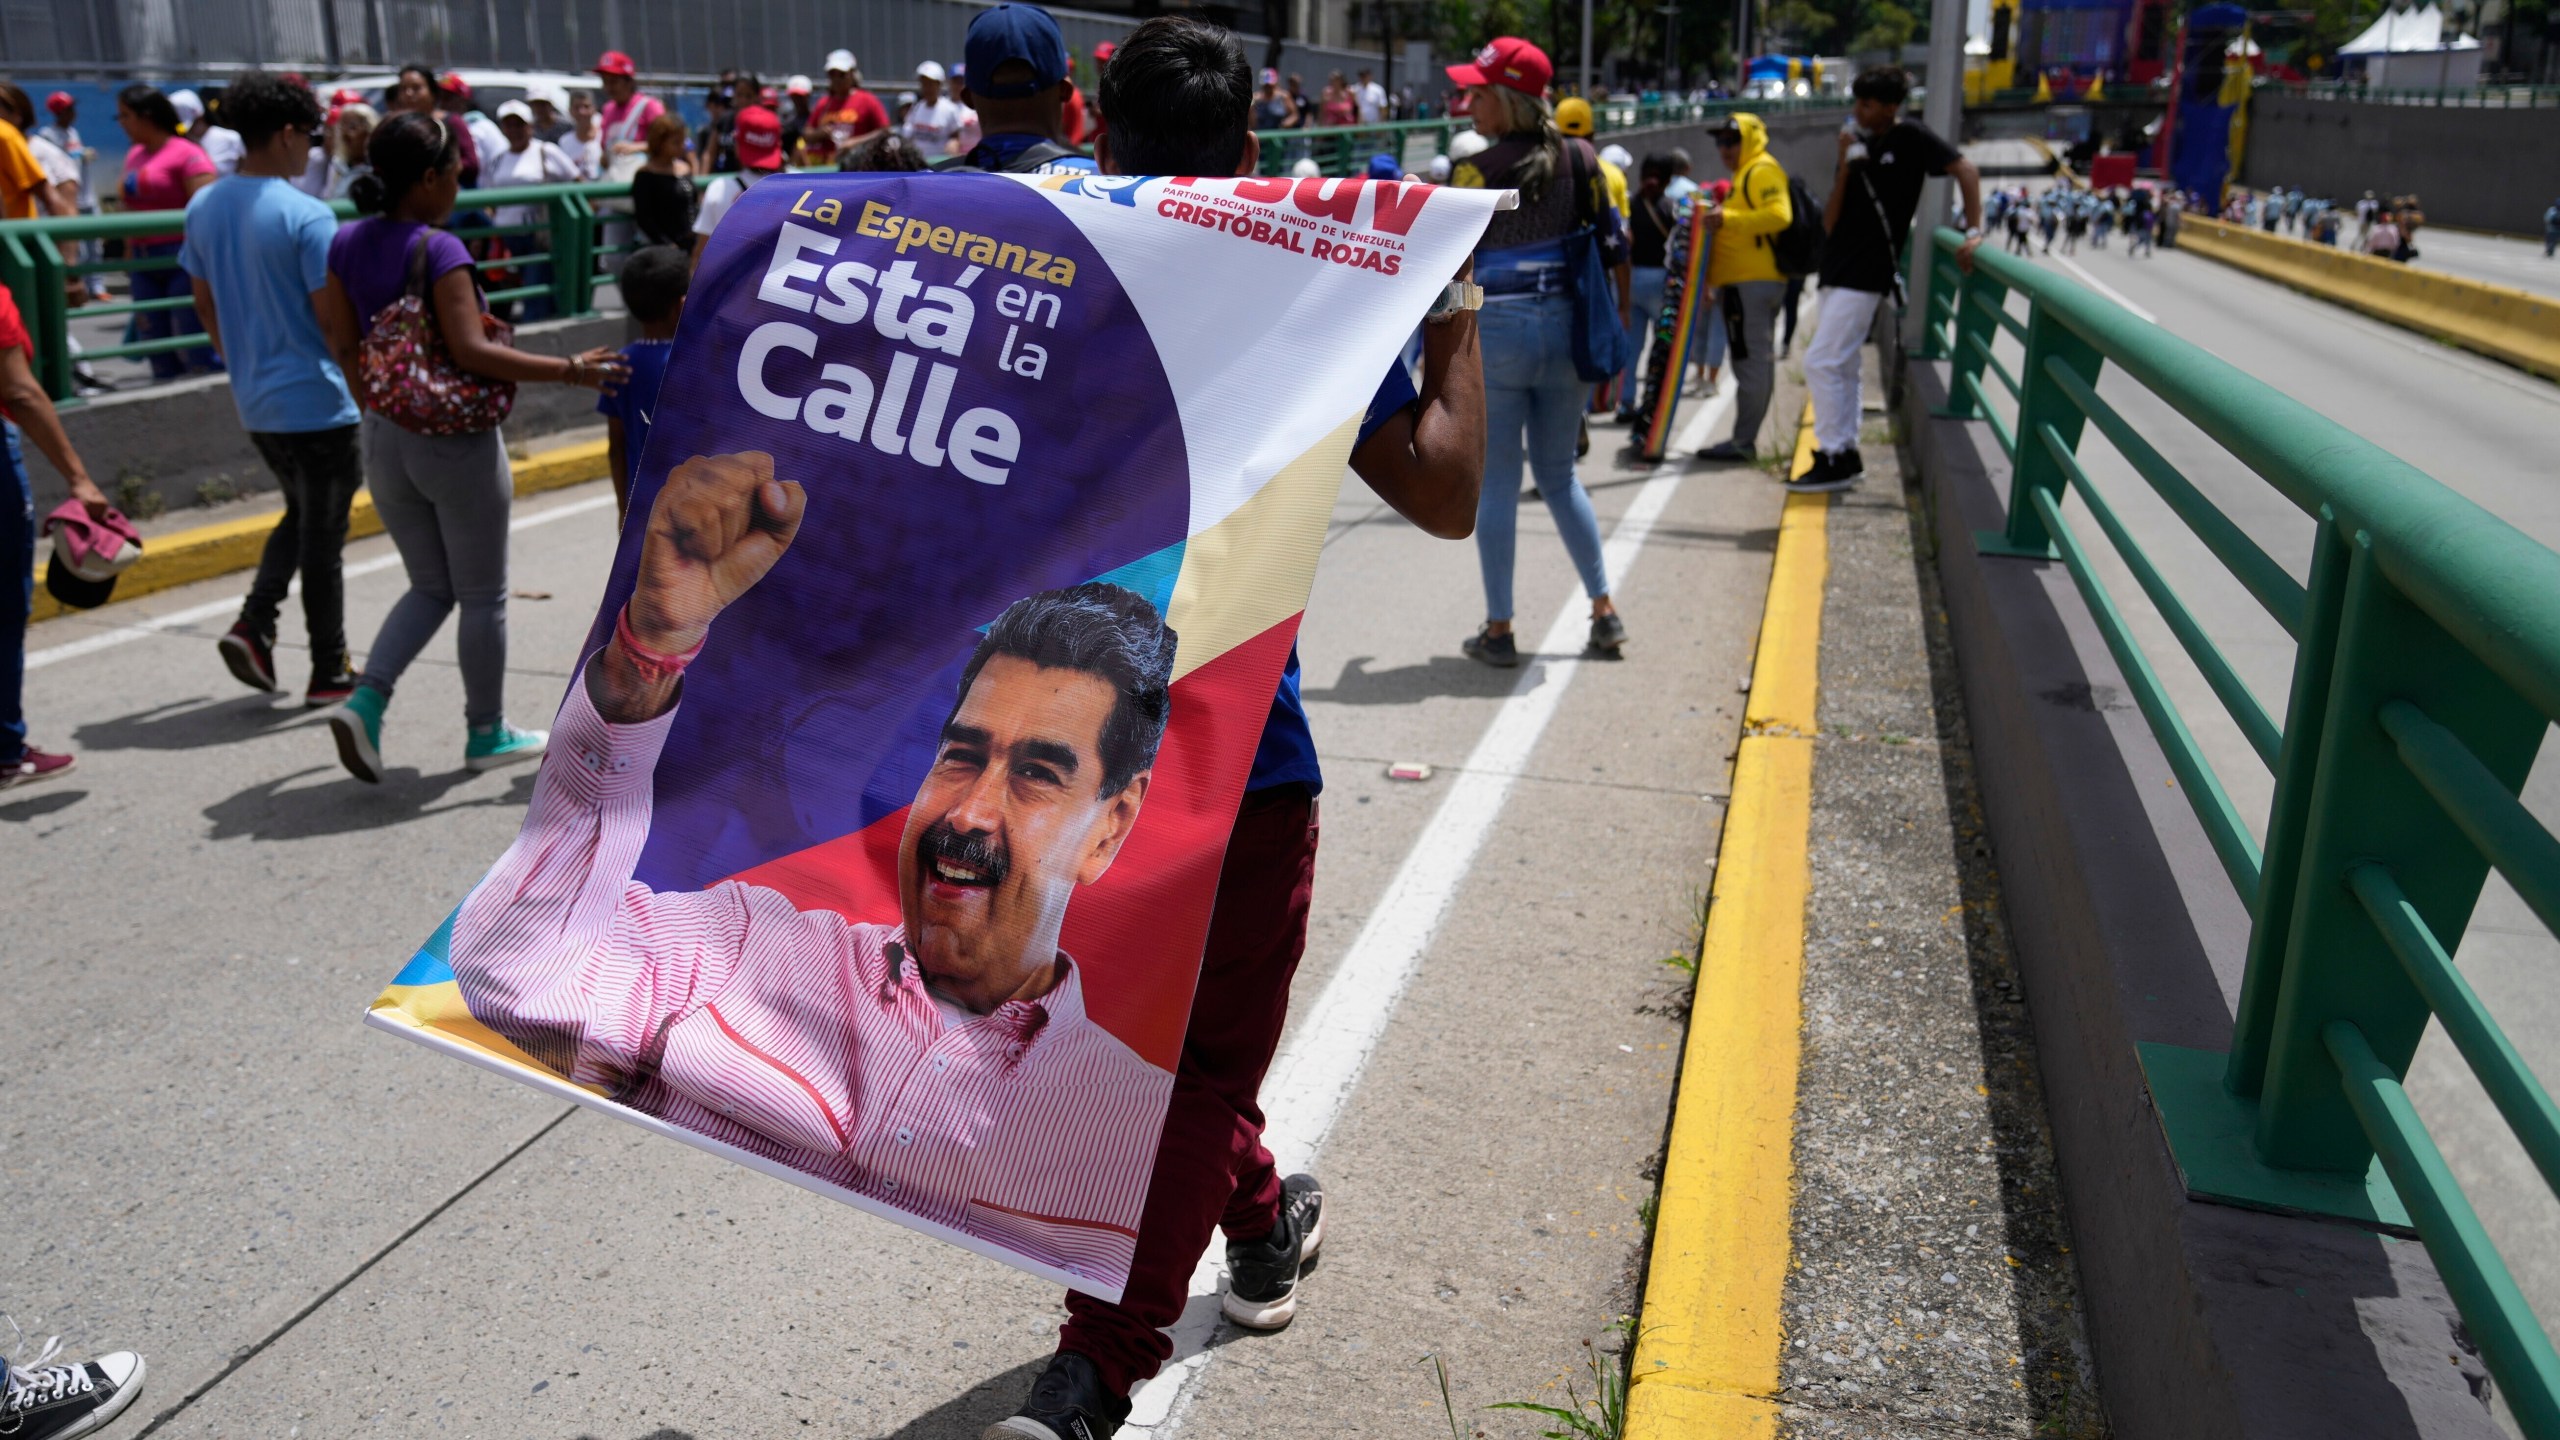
(614, 62)
(759, 138)
(1510, 62)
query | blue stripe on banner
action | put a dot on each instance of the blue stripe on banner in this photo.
(1151, 575)
(431, 965)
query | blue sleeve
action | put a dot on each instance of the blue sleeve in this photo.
(311, 235)
(1394, 393)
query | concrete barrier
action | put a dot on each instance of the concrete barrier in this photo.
(2516, 326)
(206, 551)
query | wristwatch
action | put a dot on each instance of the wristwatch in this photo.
(1455, 296)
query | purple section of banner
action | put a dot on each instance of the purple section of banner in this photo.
(977, 413)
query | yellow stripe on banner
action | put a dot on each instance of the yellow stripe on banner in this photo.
(439, 1007)
(1708, 1345)
(1252, 570)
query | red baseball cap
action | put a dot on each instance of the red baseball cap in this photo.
(452, 83)
(1510, 62)
(344, 96)
(1103, 51)
(58, 100)
(759, 138)
(614, 62)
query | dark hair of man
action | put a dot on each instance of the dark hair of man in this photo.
(1886, 84)
(1180, 98)
(21, 110)
(653, 282)
(151, 105)
(1107, 632)
(261, 105)
(888, 150)
(1657, 164)
(406, 148)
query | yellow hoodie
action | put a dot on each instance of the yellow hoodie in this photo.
(1753, 214)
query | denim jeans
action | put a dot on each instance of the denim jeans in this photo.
(319, 472)
(17, 599)
(1644, 290)
(1530, 387)
(169, 284)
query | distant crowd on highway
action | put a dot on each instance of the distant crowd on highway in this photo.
(2385, 227)
(366, 354)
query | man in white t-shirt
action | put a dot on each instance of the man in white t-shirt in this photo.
(220, 145)
(759, 133)
(1371, 97)
(935, 119)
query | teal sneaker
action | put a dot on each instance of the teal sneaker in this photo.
(503, 744)
(357, 723)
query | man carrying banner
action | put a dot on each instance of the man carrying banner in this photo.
(1018, 83)
(1180, 97)
(945, 1065)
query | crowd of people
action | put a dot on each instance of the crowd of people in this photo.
(2385, 227)
(367, 354)
(2073, 213)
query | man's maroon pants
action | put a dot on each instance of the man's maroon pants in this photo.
(1211, 1169)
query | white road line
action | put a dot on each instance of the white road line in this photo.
(2103, 288)
(216, 609)
(1312, 1079)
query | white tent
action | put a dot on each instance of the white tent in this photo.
(2410, 49)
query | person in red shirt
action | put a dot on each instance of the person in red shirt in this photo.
(24, 403)
(844, 116)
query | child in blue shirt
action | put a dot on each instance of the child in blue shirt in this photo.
(653, 283)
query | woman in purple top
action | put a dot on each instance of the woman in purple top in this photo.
(444, 498)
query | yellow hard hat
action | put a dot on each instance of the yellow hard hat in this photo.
(1573, 116)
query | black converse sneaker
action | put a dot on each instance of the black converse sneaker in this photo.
(1068, 1402)
(1262, 1275)
(56, 1402)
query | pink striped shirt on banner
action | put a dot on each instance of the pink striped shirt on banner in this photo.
(799, 1035)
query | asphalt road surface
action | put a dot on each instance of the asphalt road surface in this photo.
(314, 1229)
(2499, 259)
(2484, 429)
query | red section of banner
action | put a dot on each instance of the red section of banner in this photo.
(1156, 897)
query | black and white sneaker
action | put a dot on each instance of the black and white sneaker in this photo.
(1068, 1402)
(1828, 472)
(250, 656)
(1608, 633)
(1262, 1275)
(1499, 651)
(56, 1402)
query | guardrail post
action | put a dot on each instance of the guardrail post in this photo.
(2315, 660)
(47, 277)
(1970, 320)
(2042, 406)
(569, 258)
(2365, 807)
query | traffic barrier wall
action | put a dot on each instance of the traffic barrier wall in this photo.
(2516, 326)
(2480, 167)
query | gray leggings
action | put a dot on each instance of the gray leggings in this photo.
(445, 499)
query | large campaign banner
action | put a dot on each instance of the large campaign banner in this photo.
(877, 837)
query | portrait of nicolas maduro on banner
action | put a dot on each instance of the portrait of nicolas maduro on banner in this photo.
(877, 836)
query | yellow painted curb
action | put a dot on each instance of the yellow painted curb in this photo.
(1707, 1347)
(2498, 321)
(187, 556)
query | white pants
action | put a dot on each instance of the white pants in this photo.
(1831, 366)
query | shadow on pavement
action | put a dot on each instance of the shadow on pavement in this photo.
(1439, 675)
(190, 724)
(19, 812)
(964, 1416)
(1763, 541)
(265, 811)
(662, 1433)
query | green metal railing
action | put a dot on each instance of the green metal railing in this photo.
(564, 237)
(2487, 96)
(2426, 671)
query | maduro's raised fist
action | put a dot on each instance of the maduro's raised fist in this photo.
(720, 522)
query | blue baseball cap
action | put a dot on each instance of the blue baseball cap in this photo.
(1014, 32)
(1384, 167)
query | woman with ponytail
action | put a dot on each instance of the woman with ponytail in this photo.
(445, 498)
(1531, 384)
